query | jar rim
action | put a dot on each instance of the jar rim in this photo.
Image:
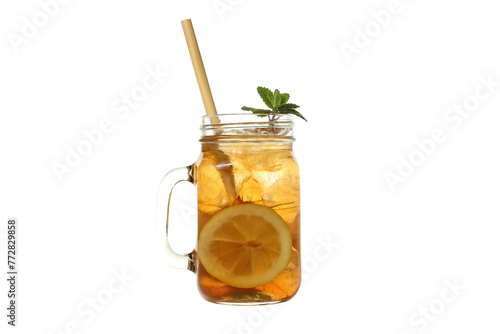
(207, 119)
(248, 124)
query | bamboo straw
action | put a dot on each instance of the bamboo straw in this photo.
(199, 69)
(225, 169)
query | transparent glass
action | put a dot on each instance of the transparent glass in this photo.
(245, 158)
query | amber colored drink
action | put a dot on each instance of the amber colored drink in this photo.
(263, 171)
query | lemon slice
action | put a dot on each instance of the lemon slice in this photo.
(245, 245)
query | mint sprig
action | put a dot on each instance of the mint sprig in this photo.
(277, 102)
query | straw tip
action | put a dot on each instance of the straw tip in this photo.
(186, 21)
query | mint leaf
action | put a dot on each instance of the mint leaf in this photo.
(266, 111)
(257, 111)
(277, 103)
(284, 97)
(293, 112)
(266, 96)
(276, 98)
(287, 106)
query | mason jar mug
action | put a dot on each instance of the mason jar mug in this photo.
(248, 196)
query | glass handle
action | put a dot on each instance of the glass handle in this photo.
(182, 261)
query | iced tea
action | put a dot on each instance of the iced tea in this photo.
(249, 169)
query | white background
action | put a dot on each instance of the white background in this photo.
(396, 248)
